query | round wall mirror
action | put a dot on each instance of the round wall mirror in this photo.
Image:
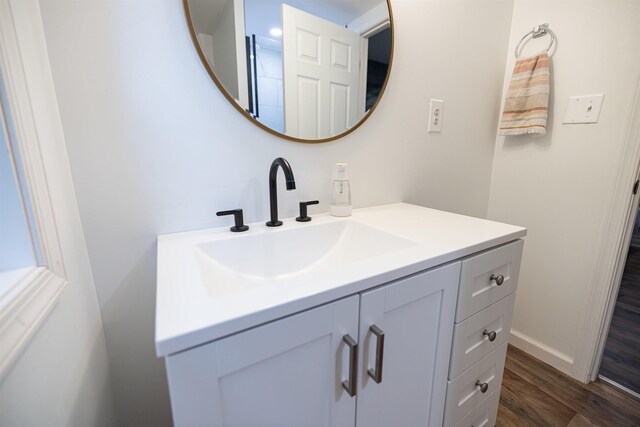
(305, 70)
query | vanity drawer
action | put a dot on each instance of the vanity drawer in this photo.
(484, 415)
(463, 393)
(472, 337)
(477, 287)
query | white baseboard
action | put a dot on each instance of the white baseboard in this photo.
(548, 355)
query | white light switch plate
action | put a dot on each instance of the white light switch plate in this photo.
(583, 109)
(436, 108)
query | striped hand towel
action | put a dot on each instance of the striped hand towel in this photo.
(527, 101)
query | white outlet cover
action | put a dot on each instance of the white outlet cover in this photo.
(583, 109)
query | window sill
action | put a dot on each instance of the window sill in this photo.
(23, 308)
(12, 278)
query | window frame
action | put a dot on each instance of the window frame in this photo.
(25, 305)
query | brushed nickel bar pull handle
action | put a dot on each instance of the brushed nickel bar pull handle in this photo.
(498, 279)
(350, 384)
(377, 373)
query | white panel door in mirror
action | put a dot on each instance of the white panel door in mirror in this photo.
(326, 54)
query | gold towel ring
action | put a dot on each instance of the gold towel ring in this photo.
(538, 31)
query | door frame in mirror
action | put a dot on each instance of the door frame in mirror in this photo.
(236, 105)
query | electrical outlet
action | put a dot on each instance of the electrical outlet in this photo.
(436, 109)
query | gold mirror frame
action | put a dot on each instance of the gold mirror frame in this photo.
(233, 102)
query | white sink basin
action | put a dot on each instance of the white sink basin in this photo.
(214, 283)
(280, 254)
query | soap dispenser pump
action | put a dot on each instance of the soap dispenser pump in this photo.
(341, 193)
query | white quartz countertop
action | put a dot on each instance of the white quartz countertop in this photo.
(198, 301)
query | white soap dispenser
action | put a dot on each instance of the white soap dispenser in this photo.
(341, 193)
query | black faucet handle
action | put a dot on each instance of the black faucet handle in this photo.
(238, 218)
(303, 211)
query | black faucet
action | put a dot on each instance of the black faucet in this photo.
(238, 218)
(273, 191)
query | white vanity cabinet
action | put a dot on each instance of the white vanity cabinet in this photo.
(296, 371)
(486, 297)
(397, 316)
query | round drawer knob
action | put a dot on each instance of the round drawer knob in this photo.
(498, 279)
(483, 386)
(491, 335)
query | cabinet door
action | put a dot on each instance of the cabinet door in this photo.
(285, 373)
(416, 316)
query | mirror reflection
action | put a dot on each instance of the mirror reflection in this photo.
(306, 69)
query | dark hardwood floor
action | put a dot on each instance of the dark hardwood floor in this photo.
(535, 394)
(621, 361)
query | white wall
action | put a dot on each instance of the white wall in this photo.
(155, 148)
(61, 378)
(559, 186)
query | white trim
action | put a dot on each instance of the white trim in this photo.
(548, 355)
(368, 25)
(24, 203)
(22, 311)
(620, 386)
(613, 249)
(362, 89)
(26, 304)
(372, 21)
(26, 136)
(377, 29)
